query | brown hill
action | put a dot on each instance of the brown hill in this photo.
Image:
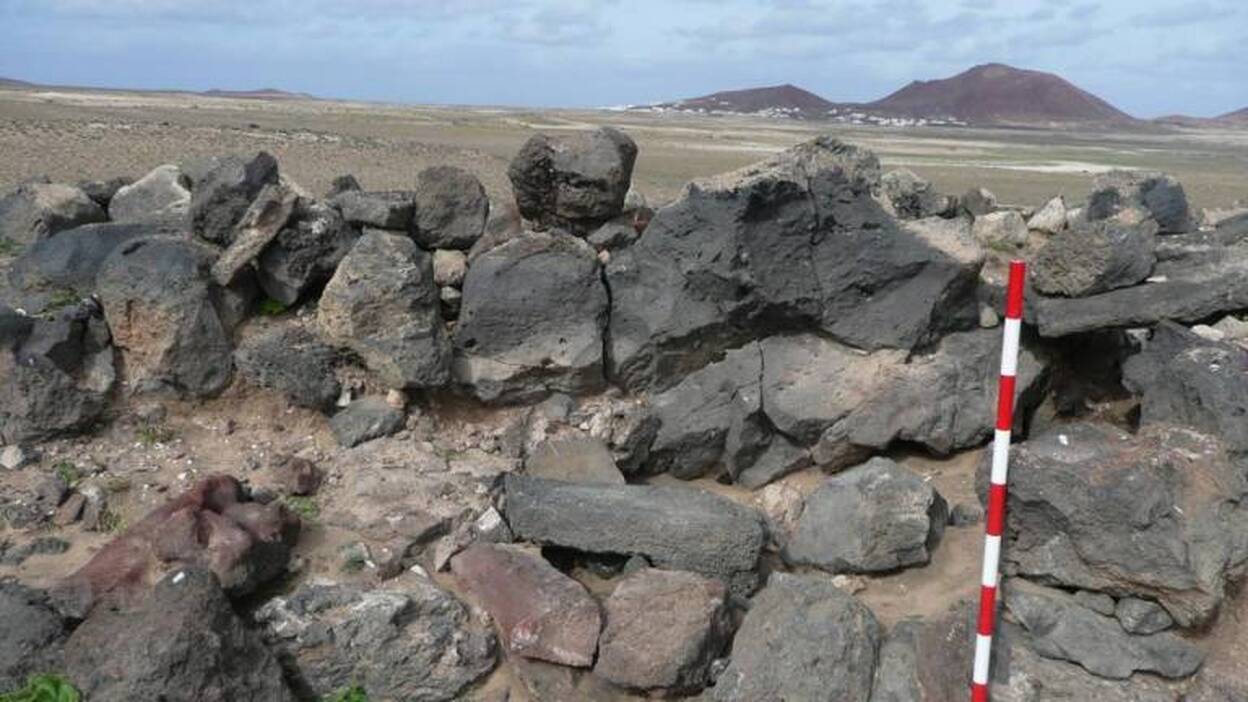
(773, 99)
(998, 94)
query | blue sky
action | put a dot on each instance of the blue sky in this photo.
(1149, 58)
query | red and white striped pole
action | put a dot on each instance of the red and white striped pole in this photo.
(995, 523)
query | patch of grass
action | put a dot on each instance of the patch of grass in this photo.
(152, 434)
(110, 523)
(305, 507)
(63, 298)
(8, 247)
(354, 693)
(270, 307)
(51, 688)
(67, 472)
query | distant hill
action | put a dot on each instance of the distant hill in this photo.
(779, 100)
(1236, 117)
(260, 94)
(996, 94)
(14, 83)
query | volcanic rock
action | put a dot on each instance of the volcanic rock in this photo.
(35, 211)
(803, 639)
(532, 320)
(223, 194)
(451, 208)
(792, 243)
(160, 197)
(383, 305)
(412, 641)
(872, 518)
(575, 181)
(673, 528)
(540, 612)
(1095, 258)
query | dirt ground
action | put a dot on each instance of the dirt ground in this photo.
(71, 135)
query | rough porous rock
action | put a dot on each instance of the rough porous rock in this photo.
(1154, 516)
(540, 613)
(391, 209)
(1001, 230)
(161, 196)
(1186, 380)
(66, 265)
(180, 643)
(1149, 194)
(1141, 616)
(221, 196)
(1050, 219)
(383, 305)
(792, 243)
(875, 517)
(847, 403)
(410, 641)
(978, 201)
(576, 180)
(663, 630)
(912, 197)
(36, 211)
(712, 411)
(365, 419)
(55, 374)
(531, 320)
(32, 636)
(451, 208)
(1197, 276)
(212, 525)
(261, 223)
(1095, 258)
(158, 298)
(927, 660)
(574, 458)
(803, 639)
(673, 528)
(1060, 628)
(102, 191)
(293, 361)
(449, 268)
(305, 252)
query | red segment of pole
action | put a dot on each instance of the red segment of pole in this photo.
(994, 526)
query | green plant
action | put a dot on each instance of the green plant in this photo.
(270, 307)
(63, 298)
(110, 523)
(8, 247)
(152, 434)
(51, 688)
(305, 507)
(354, 693)
(67, 472)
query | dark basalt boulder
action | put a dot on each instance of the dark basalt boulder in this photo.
(793, 243)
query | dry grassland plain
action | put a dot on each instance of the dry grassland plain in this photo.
(73, 134)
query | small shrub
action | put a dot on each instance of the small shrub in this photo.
(305, 507)
(67, 472)
(51, 688)
(110, 523)
(152, 434)
(351, 694)
(63, 298)
(8, 247)
(270, 307)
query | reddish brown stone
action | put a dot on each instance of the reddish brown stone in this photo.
(296, 476)
(70, 510)
(540, 613)
(244, 543)
(663, 630)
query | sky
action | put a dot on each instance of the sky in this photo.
(1147, 57)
